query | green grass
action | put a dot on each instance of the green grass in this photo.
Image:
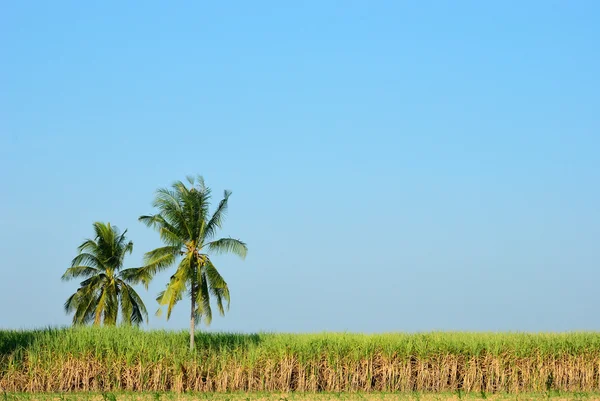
(154, 345)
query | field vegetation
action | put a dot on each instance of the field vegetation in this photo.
(262, 396)
(103, 359)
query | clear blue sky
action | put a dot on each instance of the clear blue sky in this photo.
(395, 166)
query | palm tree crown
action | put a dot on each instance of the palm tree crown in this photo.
(188, 232)
(106, 283)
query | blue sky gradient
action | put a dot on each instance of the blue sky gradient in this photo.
(395, 166)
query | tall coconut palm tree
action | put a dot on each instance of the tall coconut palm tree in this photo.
(106, 283)
(188, 232)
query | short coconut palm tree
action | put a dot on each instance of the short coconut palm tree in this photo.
(188, 232)
(106, 284)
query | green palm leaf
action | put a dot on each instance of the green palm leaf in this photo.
(80, 271)
(229, 245)
(216, 220)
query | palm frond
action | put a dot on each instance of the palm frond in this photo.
(106, 237)
(83, 302)
(71, 303)
(88, 259)
(94, 281)
(203, 299)
(172, 208)
(149, 220)
(217, 218)
(214, 277)
(218, 286)
(139, 308)
(84, 312)
(228, 245)
(197, 181)
(100, 306)
(199, 205)
(169, 237)
(125, 302)
(111, 311)
(133, 309)
(124, 248)
(193, 208)
(155, 261)
(176, 287)
(136, 275)
(158, 222)
(79, 271)
(89, 245)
